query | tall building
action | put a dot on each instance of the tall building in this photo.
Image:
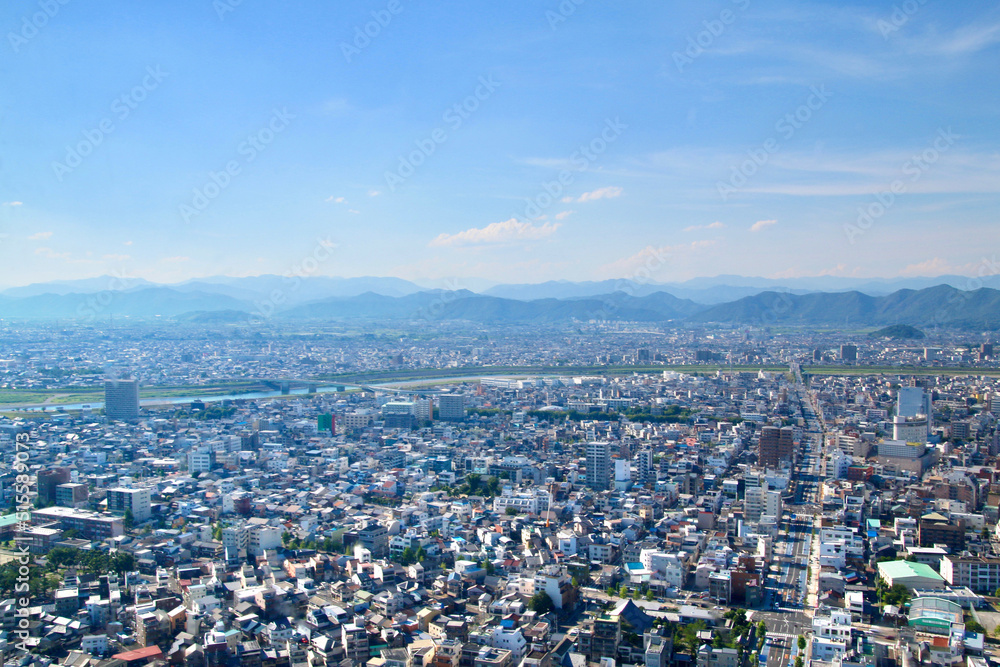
(451, 407)
(121, 500)
(72, 495)
(912, 401)
(776, 445)
(49, 479)
(644, 466)
(121, 399)
(598, 465)
(913, 408)
(761, 501)
(849, 352)
(326, 422)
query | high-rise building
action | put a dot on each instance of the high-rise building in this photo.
(849, 352)
(72, 495)
(49, 479)
(135, 500)
(776, 445)
(326, 423)
(912, 401)
(598, 465)
(121, 399)
(451, 407)
(644, 466)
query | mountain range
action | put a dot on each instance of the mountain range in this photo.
(273, 297)
(299, 290)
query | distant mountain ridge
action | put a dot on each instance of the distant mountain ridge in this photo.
(941, 305)
(300, 290)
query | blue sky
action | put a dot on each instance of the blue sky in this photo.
(510, 142)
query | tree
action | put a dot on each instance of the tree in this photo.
(217, 532)
(541, 603)
(798, 661)
(802, 643)
(897, 595)
(128, 521)
(649, 596)
(511, 511)
(972, 625)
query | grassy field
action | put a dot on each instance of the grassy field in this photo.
(896, 370)
(73, 395)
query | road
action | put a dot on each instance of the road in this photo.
(790, 589)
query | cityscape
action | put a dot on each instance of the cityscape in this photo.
(565, 333)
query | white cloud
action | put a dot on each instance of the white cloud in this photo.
(51, 254)
(40, 236)
(176, 259)
(374, 193)
(609, 192)
(128, 243)
(336, 200)
(694, 228)
(930, 267)
(117, 258)
(13, 203)
(563, 215)
(762, 224)
(497, 232)
(353, 210)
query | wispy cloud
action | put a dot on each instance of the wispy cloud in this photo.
(176, 259)
(49, 253)
(40, 236)
(507, 231)
(562, 215)
(13, 203)
(609, 192)
(762, 224)
(965, 40)
(695, 228)
(336, 200)
(117, 258)
(931, 267)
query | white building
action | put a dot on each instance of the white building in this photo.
(94, 644)
(831, 635)
(510, 639)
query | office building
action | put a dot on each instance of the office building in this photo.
(912, 401)
(981, 575)
(121, 399)
(934, 529)
(49, 479)
(451, 407)
(598, 465)
(72, 495)
(849, 353)
(776, 445)
(137, 501)
(88, 525)
(326, 423)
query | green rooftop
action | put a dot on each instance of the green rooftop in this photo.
(901, 569)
